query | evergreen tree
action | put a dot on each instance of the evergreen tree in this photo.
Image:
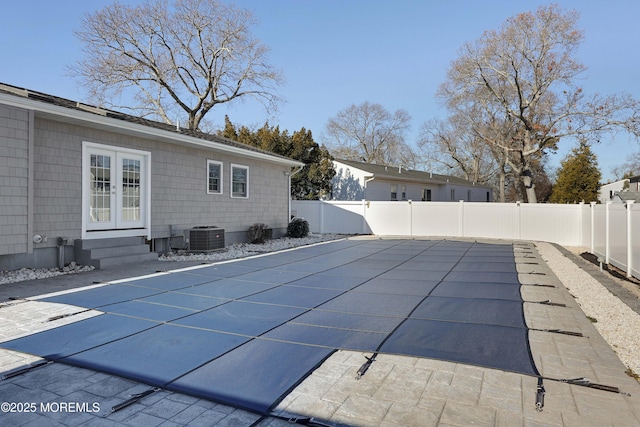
(578, 177)
(229, 130)
(314, 180)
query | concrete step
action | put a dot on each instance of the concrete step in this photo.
(116, 261)
(86, 244)
(113, 252)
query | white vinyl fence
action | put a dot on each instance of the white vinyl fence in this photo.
(610, 231)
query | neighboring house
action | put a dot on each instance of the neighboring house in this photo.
(74, 174)
(608, 191)
(626, 196)
(358, 181)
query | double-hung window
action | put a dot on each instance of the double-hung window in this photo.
(239, 181)
(214, 177)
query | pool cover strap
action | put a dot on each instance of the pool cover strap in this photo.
(366, 365)
(134, 398)
(559, 331)
(581, 381)
(26, 369)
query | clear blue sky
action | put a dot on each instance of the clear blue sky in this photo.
(335, 53)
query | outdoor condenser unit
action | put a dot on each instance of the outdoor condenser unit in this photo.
(206, 239)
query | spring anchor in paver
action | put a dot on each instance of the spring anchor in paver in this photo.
(366, 365)
(540, 391)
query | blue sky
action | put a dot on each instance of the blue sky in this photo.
(335, 53)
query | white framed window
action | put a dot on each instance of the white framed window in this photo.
(394, 192)
(404, 192)
(239, 181)
(214, 177)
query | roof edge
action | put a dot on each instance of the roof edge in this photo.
(17, 97)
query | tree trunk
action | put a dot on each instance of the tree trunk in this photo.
(502, 184)
(529, 186)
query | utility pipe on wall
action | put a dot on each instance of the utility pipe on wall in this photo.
(60, 242)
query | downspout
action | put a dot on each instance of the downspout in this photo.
(366, 181)
(290, 174)
(365, 205)
(60, 243)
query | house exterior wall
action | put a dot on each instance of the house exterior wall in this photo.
(349, 185)
(379, 189)
(465, 193)
(179, 198)
(607, 191)
(14, 177)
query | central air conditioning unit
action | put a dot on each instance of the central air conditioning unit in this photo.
(206, 239)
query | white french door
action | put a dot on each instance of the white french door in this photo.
(115, 188)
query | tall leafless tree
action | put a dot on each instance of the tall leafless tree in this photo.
(631, 167)
(455, 147)
(180, 57)
(369, 133)
(524, 76)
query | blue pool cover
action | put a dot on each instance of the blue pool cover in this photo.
(246, 333)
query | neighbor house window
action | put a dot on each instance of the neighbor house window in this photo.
(426, 195)
(394, 192)
(214, 177)
(453, 194)
(404, 192)
(239, 181)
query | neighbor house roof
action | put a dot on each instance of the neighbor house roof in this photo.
(54, 107)
(399, 173)
(628, 196)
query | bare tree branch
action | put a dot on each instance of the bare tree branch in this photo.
(183, 57)
(524, 74)
(368, 132)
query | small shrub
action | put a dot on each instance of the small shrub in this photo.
(256, 233)
(298, 227)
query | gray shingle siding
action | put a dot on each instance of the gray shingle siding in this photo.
(14, 173)
(178, 185)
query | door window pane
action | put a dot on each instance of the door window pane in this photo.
(130, 190)
(100, 188)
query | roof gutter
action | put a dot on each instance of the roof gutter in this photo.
(56, 112)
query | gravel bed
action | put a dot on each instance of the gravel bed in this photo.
(614, 320)
(13, 276)
(241, 250)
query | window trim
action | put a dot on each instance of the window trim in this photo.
(231, 192)
(221, 184)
